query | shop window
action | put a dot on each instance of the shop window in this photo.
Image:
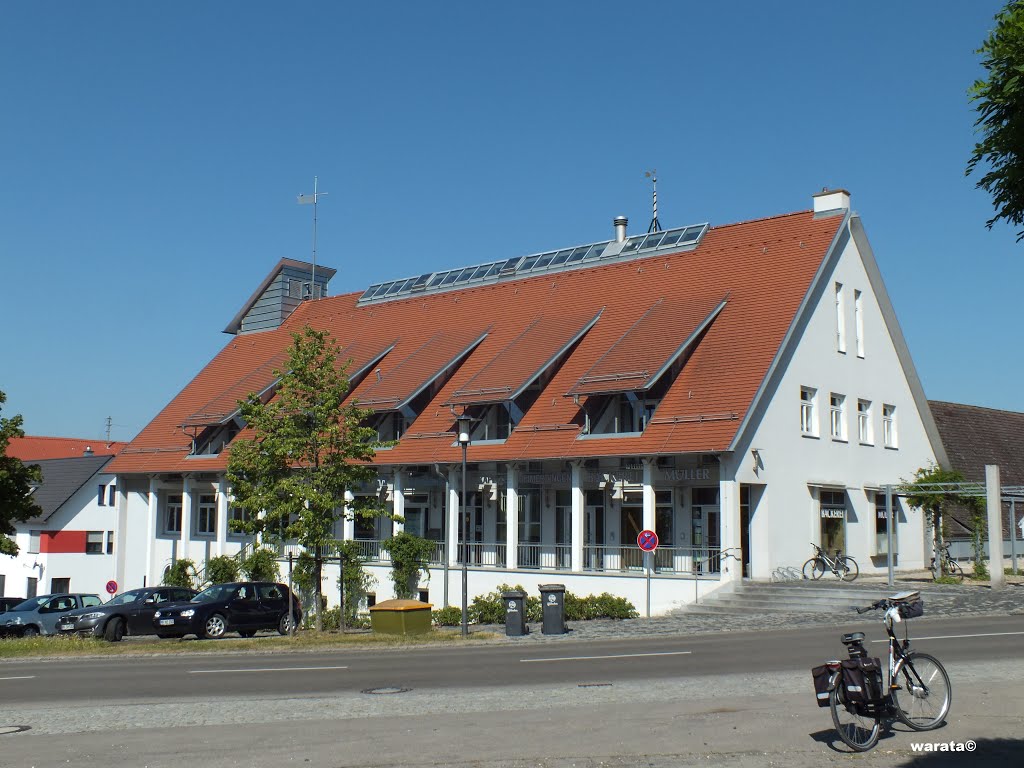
(889, 426)
(664, 518)
(808, 414)
(172, 513)
(94, 542)
(832, 506)
(882, 525)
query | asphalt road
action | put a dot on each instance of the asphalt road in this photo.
(734, 699)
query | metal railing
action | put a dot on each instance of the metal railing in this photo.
(550, 557)
(681, 560)
(485, 554)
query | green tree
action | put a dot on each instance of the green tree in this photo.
(410, 558)
(16, 481)
(999, 102)
(933, 491)
(308, 449)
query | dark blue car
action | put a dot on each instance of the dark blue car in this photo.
(244, 607)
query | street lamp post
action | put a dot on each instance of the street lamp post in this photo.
(464, 422)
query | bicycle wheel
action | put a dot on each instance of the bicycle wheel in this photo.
(923, 694)
(814, 568)
(847, 569)
(954, 569)
(858, 730)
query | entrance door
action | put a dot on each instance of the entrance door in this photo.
(632, 525)
(706, 537)
(416, 506)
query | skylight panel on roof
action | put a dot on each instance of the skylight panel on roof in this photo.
(494, 269)
(510, 265)
(544, 260)
(528, 263)
(652, 240)
(594, 253)
(672, 236)
(563, 256)
(421, 282)
(632, 244)
(692, 234)
(479, 272)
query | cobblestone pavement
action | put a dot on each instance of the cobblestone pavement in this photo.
(965, 599)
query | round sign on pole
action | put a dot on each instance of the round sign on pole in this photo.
(111, 587)
(647, 540)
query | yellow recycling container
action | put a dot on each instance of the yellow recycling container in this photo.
(401, 617)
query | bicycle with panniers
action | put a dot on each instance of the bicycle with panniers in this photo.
(918, 692)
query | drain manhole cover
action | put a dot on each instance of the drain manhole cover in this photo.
(594, 685)
(6, 729)
(385, 690)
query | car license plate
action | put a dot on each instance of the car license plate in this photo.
(67, 626)
(166, 622)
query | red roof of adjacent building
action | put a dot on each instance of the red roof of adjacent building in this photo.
(32, 448)
(761, 269)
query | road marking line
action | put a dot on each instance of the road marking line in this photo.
(26, 677)
(957, 637)
(259, 669)
(616, 656)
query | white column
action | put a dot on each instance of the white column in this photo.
(152, 526)
(121, 534)
(186, 517)
(222, 515)
(577, 516)
(729, 524)
(398, 499)
(512, 517)
(994, 502)
(648, 495)
(348, 525)
(454, 529)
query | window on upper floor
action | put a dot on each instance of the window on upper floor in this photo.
(491, 422)
(889, 436)
(837, 412)
(237, 517)
(619, 413)
(858, 321)
(33, 542)
(172, 513)
(94, 542)
(808, 411)
(112, 494)
(212, 440)
(110, 542)
(389, 425)
(206, 515)
(101, 495)
(865, 433)
(840, 320)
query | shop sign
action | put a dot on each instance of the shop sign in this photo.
(696, 473)
(549, 478)
(833, 514)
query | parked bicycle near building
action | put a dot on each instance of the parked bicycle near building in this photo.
(918, 693)
(843, 566)
(950, 567)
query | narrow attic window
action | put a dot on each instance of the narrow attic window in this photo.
(620, 413)
(212, 440)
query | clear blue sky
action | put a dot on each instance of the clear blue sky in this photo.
(151, 154)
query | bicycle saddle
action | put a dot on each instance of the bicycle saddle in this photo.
(852, 637)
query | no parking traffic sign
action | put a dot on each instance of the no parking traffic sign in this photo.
(647, 540)
(111, 587)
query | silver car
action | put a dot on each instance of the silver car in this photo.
(39, 615)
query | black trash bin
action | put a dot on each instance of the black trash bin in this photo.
(515, 612)
(552, 597)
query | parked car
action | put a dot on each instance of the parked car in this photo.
(244, 607)
(130, 613)
(6, 603)
(39, 615)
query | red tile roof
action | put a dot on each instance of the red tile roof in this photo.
(34, 448)
(765, 267)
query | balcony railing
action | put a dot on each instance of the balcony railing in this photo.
(549, 557)
(485, 554)
(679, 560)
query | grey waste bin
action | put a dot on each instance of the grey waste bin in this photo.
(515, 612)
(552, 597)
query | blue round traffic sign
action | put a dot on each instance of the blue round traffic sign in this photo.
(647, 540)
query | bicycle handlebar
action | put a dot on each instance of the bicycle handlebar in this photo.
(873, 607)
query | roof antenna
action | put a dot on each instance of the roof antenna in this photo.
(655, 224)
(312, 200)
(110, 423)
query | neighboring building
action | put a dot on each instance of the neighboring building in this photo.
(973, 438)
(743, 390)
(33, 448)
(69, 547)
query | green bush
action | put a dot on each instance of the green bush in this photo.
(490, 608)
(1011, 572)
(356, 581)
(948, 580)
(181, 573)
(410, 558)
(261, 565)
(447, 617)
(222, 569)
(980, 571)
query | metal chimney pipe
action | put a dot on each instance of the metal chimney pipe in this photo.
(620, 228)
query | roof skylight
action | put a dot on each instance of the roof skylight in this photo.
(682, 238)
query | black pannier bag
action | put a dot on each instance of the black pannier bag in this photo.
(862, 680)
(822, 683)
(912, 610)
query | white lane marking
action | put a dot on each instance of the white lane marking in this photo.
(26, 677)
(957, 637)
(616, 656)
(258, 669)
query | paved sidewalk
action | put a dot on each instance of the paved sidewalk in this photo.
(967, 599)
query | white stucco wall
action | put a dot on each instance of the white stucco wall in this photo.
(786, 519)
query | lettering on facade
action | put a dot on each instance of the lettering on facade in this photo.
(552, 478)
(833, 514)
(697, 473)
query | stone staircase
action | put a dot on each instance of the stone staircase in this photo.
(755, 597)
